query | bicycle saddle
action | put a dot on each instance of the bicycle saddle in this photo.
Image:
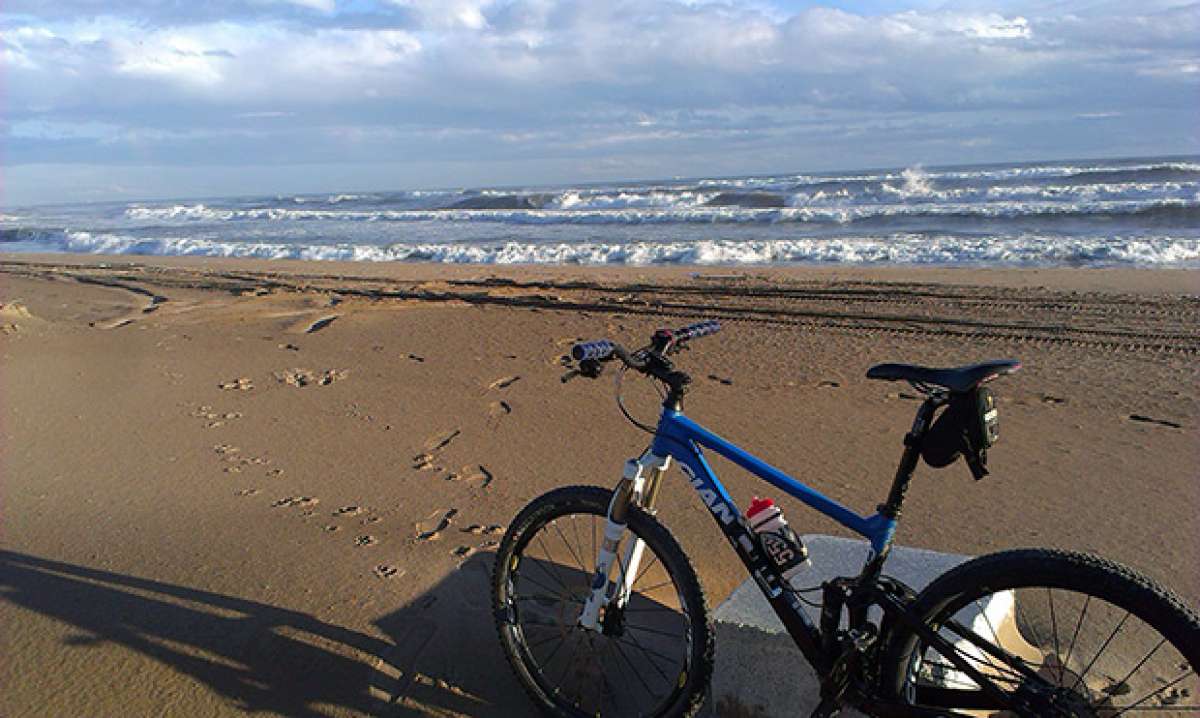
(957, 379)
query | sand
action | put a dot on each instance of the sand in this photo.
(235, 486)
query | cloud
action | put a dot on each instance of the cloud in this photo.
(449, 14)
(621, 83)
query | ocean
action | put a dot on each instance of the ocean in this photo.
(1129, 212)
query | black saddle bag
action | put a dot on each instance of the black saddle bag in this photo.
(968, 426)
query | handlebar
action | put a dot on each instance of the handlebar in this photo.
(663, 342)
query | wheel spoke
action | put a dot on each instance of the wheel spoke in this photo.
(645, 569)
(1153, 693)
(648, 653)
(651, 630)
(1125, 680)
(579, 542)
(539, 584)
(1103, 648)
(542, 598)
(567, 668)
(553, 565)
(553, 653)
(544, 641)
(657, 586)
(616, 645)
(986, 654)
(1054, 634)
(1075, 635)
(566, 543)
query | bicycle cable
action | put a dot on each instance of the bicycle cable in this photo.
(621, 403)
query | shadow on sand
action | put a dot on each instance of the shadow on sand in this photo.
(440, 655)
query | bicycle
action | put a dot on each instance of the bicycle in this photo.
(985, 638)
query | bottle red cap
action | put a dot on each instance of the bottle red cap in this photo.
(757, 506)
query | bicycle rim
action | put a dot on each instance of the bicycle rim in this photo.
(639, 664)
(1062, 652)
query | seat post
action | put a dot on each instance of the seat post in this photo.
(908, 460)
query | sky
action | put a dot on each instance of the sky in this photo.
(145, 99)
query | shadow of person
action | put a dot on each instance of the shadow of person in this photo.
(260, 657)
(441, 655)
(446, 658)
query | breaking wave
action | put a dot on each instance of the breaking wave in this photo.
(1182, 210)
(1133, 212)
(1030, 249)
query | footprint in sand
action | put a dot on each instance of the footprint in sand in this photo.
(1048, 399)
(311, 326)
(320, 324)
(499, 409)
(504, 383)
(828, 384)
(349, 511)
(479, 530)
(215, 417)
(416, 358)
(478, 474)
(306, 377)
(465, 552)
(242, 383)
(296, 501)
(720, 379)
(247, 492)
(330, 528)
(441, 441)
(366, 540)
(432, 527)
(424, 460)
(289, 347)
(383, 570)
(1160, 422)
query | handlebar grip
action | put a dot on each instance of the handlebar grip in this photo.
(597, 350)
(699, 329)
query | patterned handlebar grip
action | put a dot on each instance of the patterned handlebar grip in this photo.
(699, 329)
(597, 350)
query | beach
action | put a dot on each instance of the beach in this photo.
(236, 485)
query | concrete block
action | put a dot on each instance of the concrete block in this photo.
(759, 672)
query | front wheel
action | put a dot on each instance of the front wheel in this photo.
(653, 656)
(1054, 634)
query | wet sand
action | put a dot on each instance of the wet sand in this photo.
(274, 487)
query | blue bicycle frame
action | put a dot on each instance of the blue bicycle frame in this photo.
(681, 438)
(684, 440)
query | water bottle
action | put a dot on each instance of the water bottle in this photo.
(778, 540)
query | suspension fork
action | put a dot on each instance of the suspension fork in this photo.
(639, 486)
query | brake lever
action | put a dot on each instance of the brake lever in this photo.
(588, 368)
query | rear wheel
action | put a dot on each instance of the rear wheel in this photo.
(1057, 633)
(652, 658)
